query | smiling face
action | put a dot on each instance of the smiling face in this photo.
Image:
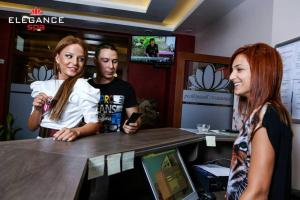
(107, 63)
(241, 76)
(71, 60)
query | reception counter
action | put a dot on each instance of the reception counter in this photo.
(48, 169)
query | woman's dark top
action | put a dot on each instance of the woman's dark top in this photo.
(280, 136)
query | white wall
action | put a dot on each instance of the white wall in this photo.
(269, 21)
(286, 26)
(250, 22)
(286, 20)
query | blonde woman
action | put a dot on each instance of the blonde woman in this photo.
(60, 104)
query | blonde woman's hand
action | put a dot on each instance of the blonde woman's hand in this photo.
(66, 134)
(39, 101)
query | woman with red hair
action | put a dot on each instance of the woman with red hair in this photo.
(261, 157)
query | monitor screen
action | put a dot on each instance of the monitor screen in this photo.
(168, 176)
(153, 49)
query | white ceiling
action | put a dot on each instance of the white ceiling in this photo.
(129, 16)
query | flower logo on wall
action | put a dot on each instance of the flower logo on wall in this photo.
(208, 78)
(40, 74)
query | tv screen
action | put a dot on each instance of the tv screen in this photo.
(153, 49)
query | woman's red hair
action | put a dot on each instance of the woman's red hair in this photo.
(266, 75)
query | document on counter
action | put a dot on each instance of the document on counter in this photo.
(190, 130)
(211, 132)
(96, 167)
(296, 100)
(286, 91)
(210, 141)
(127, 160)
(214, 169)
(113, 164)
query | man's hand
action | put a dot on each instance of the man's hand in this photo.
(131, 128)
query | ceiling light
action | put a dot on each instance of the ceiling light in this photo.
(92, 36)
(92, 42)
(188, 30)
(132, 5)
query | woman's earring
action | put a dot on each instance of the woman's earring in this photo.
(115, 75)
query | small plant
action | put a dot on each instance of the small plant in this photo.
(7, 131)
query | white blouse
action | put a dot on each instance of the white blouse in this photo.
(82, 103)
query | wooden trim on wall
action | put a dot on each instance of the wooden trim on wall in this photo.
(182, 57)
(5, 53)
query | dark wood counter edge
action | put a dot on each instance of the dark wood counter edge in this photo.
(194, 138)
(83, 175)
(156, 148)
(200, 138)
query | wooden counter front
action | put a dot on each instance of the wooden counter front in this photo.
(48, 169)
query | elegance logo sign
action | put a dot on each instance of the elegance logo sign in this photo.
(36, 22)
(36, 11)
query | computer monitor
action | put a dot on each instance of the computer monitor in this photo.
(168, 177)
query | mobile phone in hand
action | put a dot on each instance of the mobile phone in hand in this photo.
(133, 117)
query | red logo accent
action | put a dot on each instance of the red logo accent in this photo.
(36, 11)
(36, 27)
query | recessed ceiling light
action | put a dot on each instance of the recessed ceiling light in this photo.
(92, 42)
(148, 32)
(92, 36)
(188, 30)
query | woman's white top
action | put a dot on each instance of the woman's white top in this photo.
(82, 103)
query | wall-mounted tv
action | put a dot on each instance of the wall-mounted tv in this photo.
(153, 49)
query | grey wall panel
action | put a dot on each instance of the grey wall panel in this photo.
(219, 117)
(20, 105)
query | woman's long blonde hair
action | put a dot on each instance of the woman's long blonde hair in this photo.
(59, 101)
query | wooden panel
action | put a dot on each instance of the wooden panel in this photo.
(109, 143)
(143, 142)
(31, 174)
(5, 41)
(184, 43)
(150, 83)
(48, 169)
(158, 83)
